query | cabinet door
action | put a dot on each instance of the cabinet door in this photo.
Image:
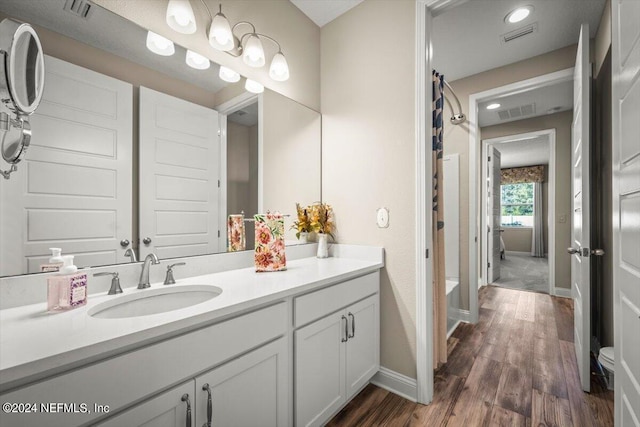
(320, 363)
(251, 390)
(363, 349)
(166, 409)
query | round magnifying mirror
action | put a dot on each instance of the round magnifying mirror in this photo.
(14, 142)
(22, 81)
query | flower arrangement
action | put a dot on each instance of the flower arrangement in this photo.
(303, 223)
(322, 220)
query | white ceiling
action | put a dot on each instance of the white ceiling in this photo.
(324, 11)
(558, 97)
(524, 152)
(466, 38)
(112, 33)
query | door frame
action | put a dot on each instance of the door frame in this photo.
(474, 163)
(551, 197)
(224, 109)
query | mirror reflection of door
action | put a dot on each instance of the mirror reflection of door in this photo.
(242, 166)
(179, 192)
(75, 187)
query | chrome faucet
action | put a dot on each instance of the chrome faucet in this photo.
(144, 275)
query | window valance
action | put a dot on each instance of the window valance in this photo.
(522, 175)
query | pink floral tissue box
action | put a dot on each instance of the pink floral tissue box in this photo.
(269, 252)
(236, 233)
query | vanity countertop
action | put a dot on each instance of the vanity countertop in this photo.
(35, 344)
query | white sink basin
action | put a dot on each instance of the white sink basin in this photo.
(153, 301)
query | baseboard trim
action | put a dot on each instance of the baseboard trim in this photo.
(516, 253)
(396, 383)
(562, 292)
(453, 328)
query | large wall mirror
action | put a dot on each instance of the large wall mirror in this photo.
(134, 152)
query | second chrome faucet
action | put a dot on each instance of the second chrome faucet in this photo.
(143, 283)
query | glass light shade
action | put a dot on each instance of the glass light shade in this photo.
(220, 35)
(519, 14)
(228, 75)
(279, 70)
(180, 16)
(160, 45)
(197, 61)
(253, 86)
(253, 53)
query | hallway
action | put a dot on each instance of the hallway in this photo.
(516, 367)
(524, 272)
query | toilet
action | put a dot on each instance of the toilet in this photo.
(606, 359)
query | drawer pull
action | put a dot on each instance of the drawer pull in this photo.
(353, 326)
(209, 405)
(346, 330)
(185, 398)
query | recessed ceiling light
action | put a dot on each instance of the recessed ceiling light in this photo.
(493, 106)
(518, 14)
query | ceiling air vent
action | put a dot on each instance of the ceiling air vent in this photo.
(520, 32)
(79, 8)
(517, 112)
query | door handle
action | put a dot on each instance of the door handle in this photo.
(124, 243)
(346, 330)
(146, 240)
(597, 252)
(353, 326)
(209, 405)
(573, 251)
(185, 398)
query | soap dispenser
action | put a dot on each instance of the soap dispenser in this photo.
(67, 289)
(55, 261)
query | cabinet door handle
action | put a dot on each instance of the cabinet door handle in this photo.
(209, 405)
(353, 325)
(185, 398)
(346, 330)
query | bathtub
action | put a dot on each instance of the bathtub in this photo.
(453, 304)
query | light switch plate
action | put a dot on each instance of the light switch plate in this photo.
(382, 217)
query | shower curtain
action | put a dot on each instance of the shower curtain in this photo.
(439, 278)
(537, 241)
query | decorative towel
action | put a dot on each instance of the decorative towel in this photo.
(269, 252)
(236, 233)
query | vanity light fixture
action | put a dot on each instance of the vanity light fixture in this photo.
(228, 75)
(518, 14)
(248, 45)
(493, 106)
(253, 86)
(180, 16)
(197, 61)
(160, 45)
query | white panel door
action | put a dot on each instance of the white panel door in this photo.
(74, 189)
(494, 215)
(248, 391)
(320, 370)
(626, 208)
(363, 354)
(179, 176)
(580, 207)
(168, 409)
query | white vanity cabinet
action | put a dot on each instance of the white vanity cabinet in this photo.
(336, 355)
(173, 408)
(250, 391)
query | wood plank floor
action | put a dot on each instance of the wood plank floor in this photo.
(515, 367)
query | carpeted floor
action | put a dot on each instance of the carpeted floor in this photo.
(524, 272)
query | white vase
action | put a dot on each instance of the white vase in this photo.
(304, 236)
(323, 247)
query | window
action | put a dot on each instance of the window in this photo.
(516, 202)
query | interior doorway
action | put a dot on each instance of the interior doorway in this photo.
(518, 211)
